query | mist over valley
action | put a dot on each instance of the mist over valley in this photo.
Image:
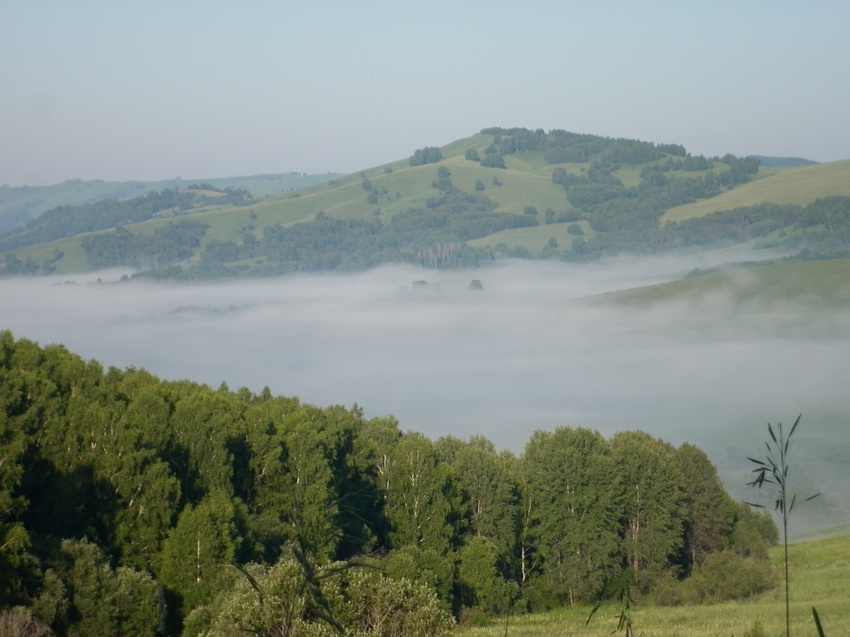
(536, 348)
(290, 344)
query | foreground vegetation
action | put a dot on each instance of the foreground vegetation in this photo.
(136, 506)
(821, 570)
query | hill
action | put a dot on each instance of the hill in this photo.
(751, 287)
(783, 162)
(20, 205)
(500, 193)
(799, 186)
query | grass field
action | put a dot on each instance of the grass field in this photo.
(800, 186)
(814, 284)
(820, 577)
(535, 238)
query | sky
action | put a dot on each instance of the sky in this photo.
(156, 90)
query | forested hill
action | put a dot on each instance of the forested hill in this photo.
(135, 506)
(500, 193)
(20, 205)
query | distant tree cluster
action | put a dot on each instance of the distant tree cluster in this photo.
(427, 155)
(169, 244)
(136, 506)
(560, 147)
(624, 218)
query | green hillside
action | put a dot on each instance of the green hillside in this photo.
(815, 284)
(19, 205)
(500, 193)
(799, 186)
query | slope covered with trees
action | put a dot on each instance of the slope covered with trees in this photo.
(136, 506)
(501, 193)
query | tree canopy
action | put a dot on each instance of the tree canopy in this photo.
(135, 505)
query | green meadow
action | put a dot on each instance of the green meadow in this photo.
(814, 284)
(800, 186)
(820, 577)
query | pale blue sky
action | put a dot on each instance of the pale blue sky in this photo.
(154, 90)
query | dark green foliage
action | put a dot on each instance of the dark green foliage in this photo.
(427, 155)
(833, 213)
(653, 511)
(472, 155)
(626, 218)
(573, 500)
(709, 513)
(167, 245)
(490, 490)
(727, 575)
(493, 158)
(102, 601)
(131, 503)
(422, 502)
(783, 162)
(443, 183)
(729, 227)
(15, 266)
(481, 585)
(416, 235)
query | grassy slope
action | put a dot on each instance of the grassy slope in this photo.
(815, 284)
(526, 182)
(535, 239)
(820, 572)
(37, 199)
(799, 186)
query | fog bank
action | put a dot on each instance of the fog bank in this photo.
(527, 352)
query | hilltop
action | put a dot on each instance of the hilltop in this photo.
(501, 193)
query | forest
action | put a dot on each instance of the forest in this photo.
(133, 505)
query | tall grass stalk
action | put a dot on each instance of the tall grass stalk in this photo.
(773, 469)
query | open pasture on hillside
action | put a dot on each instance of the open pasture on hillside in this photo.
(799, 186)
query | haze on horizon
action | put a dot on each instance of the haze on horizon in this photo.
(116, 91)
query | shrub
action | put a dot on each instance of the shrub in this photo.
(276, 601)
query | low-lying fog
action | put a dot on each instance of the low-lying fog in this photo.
(525, 353)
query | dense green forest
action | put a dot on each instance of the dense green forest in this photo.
(136, 506)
